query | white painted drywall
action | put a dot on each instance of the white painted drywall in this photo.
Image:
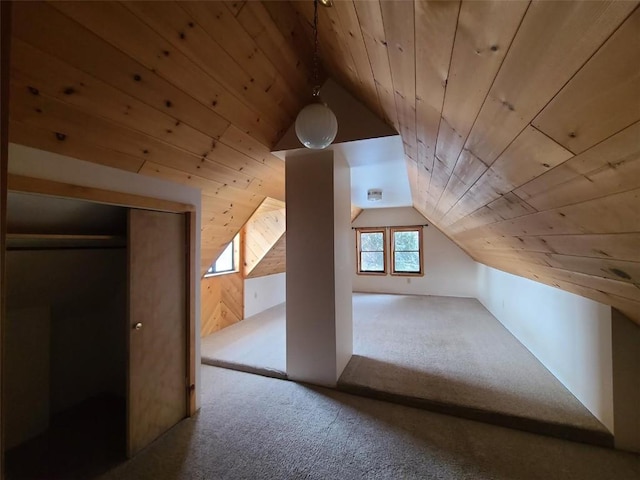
(569, 334)
(342, 261)
(40, 164)
(318, 329)
(449, 271)
(265, 292)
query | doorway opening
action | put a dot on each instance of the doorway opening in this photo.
(65, 338)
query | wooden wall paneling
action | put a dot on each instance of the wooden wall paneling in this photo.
(290, 23)
(602, 98)
(588, 282)
(42, 111)
(435, 28)
(372, 28)
(355, 211)
(54, 141)
(484, 34)
(257, 22)
(57, 79)
(222, 301)
(233, 294)
(481, 217)
(275, 261)
(533, 71)
(619, 213)
(529, 155)
(345, 16)
(334, 53)
(237, 139)
(265, 227)
(281, 85)
(225, 209)
(621, 246)
(509, 206)
(621, 270)
(236, 6)
(156, 28)
(210, 295)
(578, 284)
(612, 166)
(221, 220)
(466, 172)
(399, 29)
(5, 58)
(45, 28)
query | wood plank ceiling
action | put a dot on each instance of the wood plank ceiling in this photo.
(520, 120)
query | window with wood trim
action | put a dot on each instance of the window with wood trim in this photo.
(371, 248)
(228, 261)
(406, 251)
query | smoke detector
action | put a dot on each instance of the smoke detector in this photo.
(374, 195)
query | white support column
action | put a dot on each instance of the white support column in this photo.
(319, 249)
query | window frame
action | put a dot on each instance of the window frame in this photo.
(361, 230)
(235, 259)
(415, 228)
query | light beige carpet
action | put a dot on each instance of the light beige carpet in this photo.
(253, 427)
(254, 345)
(451, 355)
(443, 353)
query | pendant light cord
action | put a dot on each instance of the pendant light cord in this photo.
(316, 86)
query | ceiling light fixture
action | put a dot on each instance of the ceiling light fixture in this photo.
(374, 195)
(316, 125)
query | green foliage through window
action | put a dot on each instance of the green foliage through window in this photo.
(372, 252)
(406, 251)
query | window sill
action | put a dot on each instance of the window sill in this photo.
(220, 274)
(407, 274)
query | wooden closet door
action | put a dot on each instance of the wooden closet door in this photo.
(157, 397)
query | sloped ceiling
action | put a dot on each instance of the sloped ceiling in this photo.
(520, 121)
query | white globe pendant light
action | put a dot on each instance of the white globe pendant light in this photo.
(316, 125)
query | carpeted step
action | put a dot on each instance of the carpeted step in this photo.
(566, 432)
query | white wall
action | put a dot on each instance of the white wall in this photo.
(318, 301)
(262, 293)
(40, 164)
(342, 261)
(569, 334)
(449, 271)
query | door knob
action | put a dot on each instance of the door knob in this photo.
(138, 326)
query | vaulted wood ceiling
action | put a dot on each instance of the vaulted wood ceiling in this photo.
(520, 121)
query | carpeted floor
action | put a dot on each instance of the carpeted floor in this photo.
(253, 427)
(442, 353)
(255, 345)
(454, 354)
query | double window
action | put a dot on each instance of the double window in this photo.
(404, 245)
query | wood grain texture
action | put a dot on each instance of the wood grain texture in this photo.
(595, 104)
(519, 120)
(274, 261)
(222, 302)
(5, 57)
(158, 300)
(263, 230)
